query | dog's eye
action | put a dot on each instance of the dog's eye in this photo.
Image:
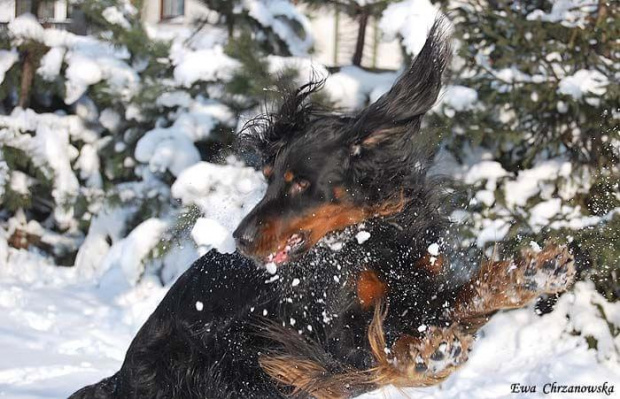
(299, 186)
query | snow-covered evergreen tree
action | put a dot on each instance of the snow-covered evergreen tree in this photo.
(533, 121)
(277, 26)
(114, 118)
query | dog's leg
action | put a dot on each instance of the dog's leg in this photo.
(512, 284)
(432, 357)
(429, 359)
(418, 361)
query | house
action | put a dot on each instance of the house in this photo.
(334, 40)
(54, 12)
(59, 12)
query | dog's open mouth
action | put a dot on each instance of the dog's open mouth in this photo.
(295, 245)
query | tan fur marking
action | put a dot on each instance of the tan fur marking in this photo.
(432, 264)
(405, 350)
(288, 176)
(267, 170)
(370, 288)
(379, 136)
(320, 221)
(340, 193)
(311, 377)
(502, 285)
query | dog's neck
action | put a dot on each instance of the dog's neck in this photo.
(398, 238)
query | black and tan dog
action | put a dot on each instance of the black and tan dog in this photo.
(365, 290)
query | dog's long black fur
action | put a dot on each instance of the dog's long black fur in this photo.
(370, 161)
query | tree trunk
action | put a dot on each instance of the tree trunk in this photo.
(336, 34)
(602, 15)
(28, 67)
(361, 37)
(229, 14)
(34, 8)
(27, 78)
(230, 25)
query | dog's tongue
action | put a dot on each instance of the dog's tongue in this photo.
(280, 257)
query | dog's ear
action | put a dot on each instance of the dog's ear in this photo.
(267, 134)
(396, 115)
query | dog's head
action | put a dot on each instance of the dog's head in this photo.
(328, 171)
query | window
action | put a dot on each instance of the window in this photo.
(44, 8)
(172, 8)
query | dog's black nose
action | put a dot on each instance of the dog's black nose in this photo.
(244, 237)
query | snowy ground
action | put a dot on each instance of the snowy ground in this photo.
(58, 333)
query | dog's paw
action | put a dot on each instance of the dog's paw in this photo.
(436, 354)
(549, 271)
(443, 348)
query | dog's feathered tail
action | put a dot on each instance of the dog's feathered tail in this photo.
(307, 368)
